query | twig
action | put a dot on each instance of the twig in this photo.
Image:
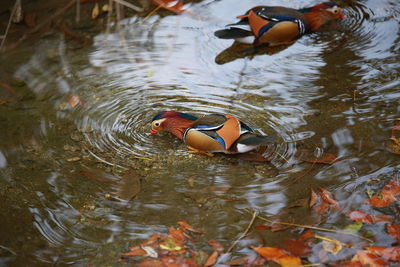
(150, 14)
(244, 233)
(124, 3)
(312, 227)
(8, 25)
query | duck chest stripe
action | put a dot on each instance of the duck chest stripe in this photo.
(302, 28)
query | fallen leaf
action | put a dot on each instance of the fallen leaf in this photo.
(95, 11)
(150, 251)
(170, 247)
(393, 145)
(326, 202)
(150, 263)
(296, 247)
(313, 198)
(368, 259)
(135, 251)
(353, 228)
(185, 226)
(360, 216)
(262, 227)
(129, 186)
(306, 235)
(387, 195)
(176, 234)
(394, 231)
(216, 245)
(212, 259)
(331, 245)
(277, 255)
(175, 6)
(238, 261)
(391, 254)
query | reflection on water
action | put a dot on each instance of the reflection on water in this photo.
(331, 90)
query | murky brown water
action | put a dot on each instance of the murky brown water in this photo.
(332, 90)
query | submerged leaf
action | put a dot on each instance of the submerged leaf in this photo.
(296, 247)
(353, 228)
(368, 259)
(185, 226)
(392, 254)
(212, 259)
(360, 216)
(331, 245)
(129, 185)
(394, 231)
(387, 195)
(326, 201)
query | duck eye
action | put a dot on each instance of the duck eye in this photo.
(335, 11)
(157, 124)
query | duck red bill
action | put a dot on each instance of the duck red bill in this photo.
(152, 132)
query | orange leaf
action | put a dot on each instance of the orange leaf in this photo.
(175, 6)
(313, 198)
(216, 245)
(387, 195)
(326, 202)
(360, 216)
(212, 259)
(306, 235)
(369, 259)
(176, 234)
(262, 227)
(394, 231)
(269, 252)
(289, 261)
(392, 254)
(186, 226)
(135, 251)
(277, 255)
(151, 263)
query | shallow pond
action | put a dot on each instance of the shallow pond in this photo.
(335, 91)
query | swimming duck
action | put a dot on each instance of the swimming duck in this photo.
(211, 133)
(276, 25)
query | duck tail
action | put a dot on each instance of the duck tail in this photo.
(240, 31)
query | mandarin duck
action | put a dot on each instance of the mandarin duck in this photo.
(276, 25)
(211, 133)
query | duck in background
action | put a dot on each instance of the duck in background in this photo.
(276, 25)
(210, 134)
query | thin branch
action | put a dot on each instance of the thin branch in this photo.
(9, 24)
(312, 227)
(124, 3)
(244, 233)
